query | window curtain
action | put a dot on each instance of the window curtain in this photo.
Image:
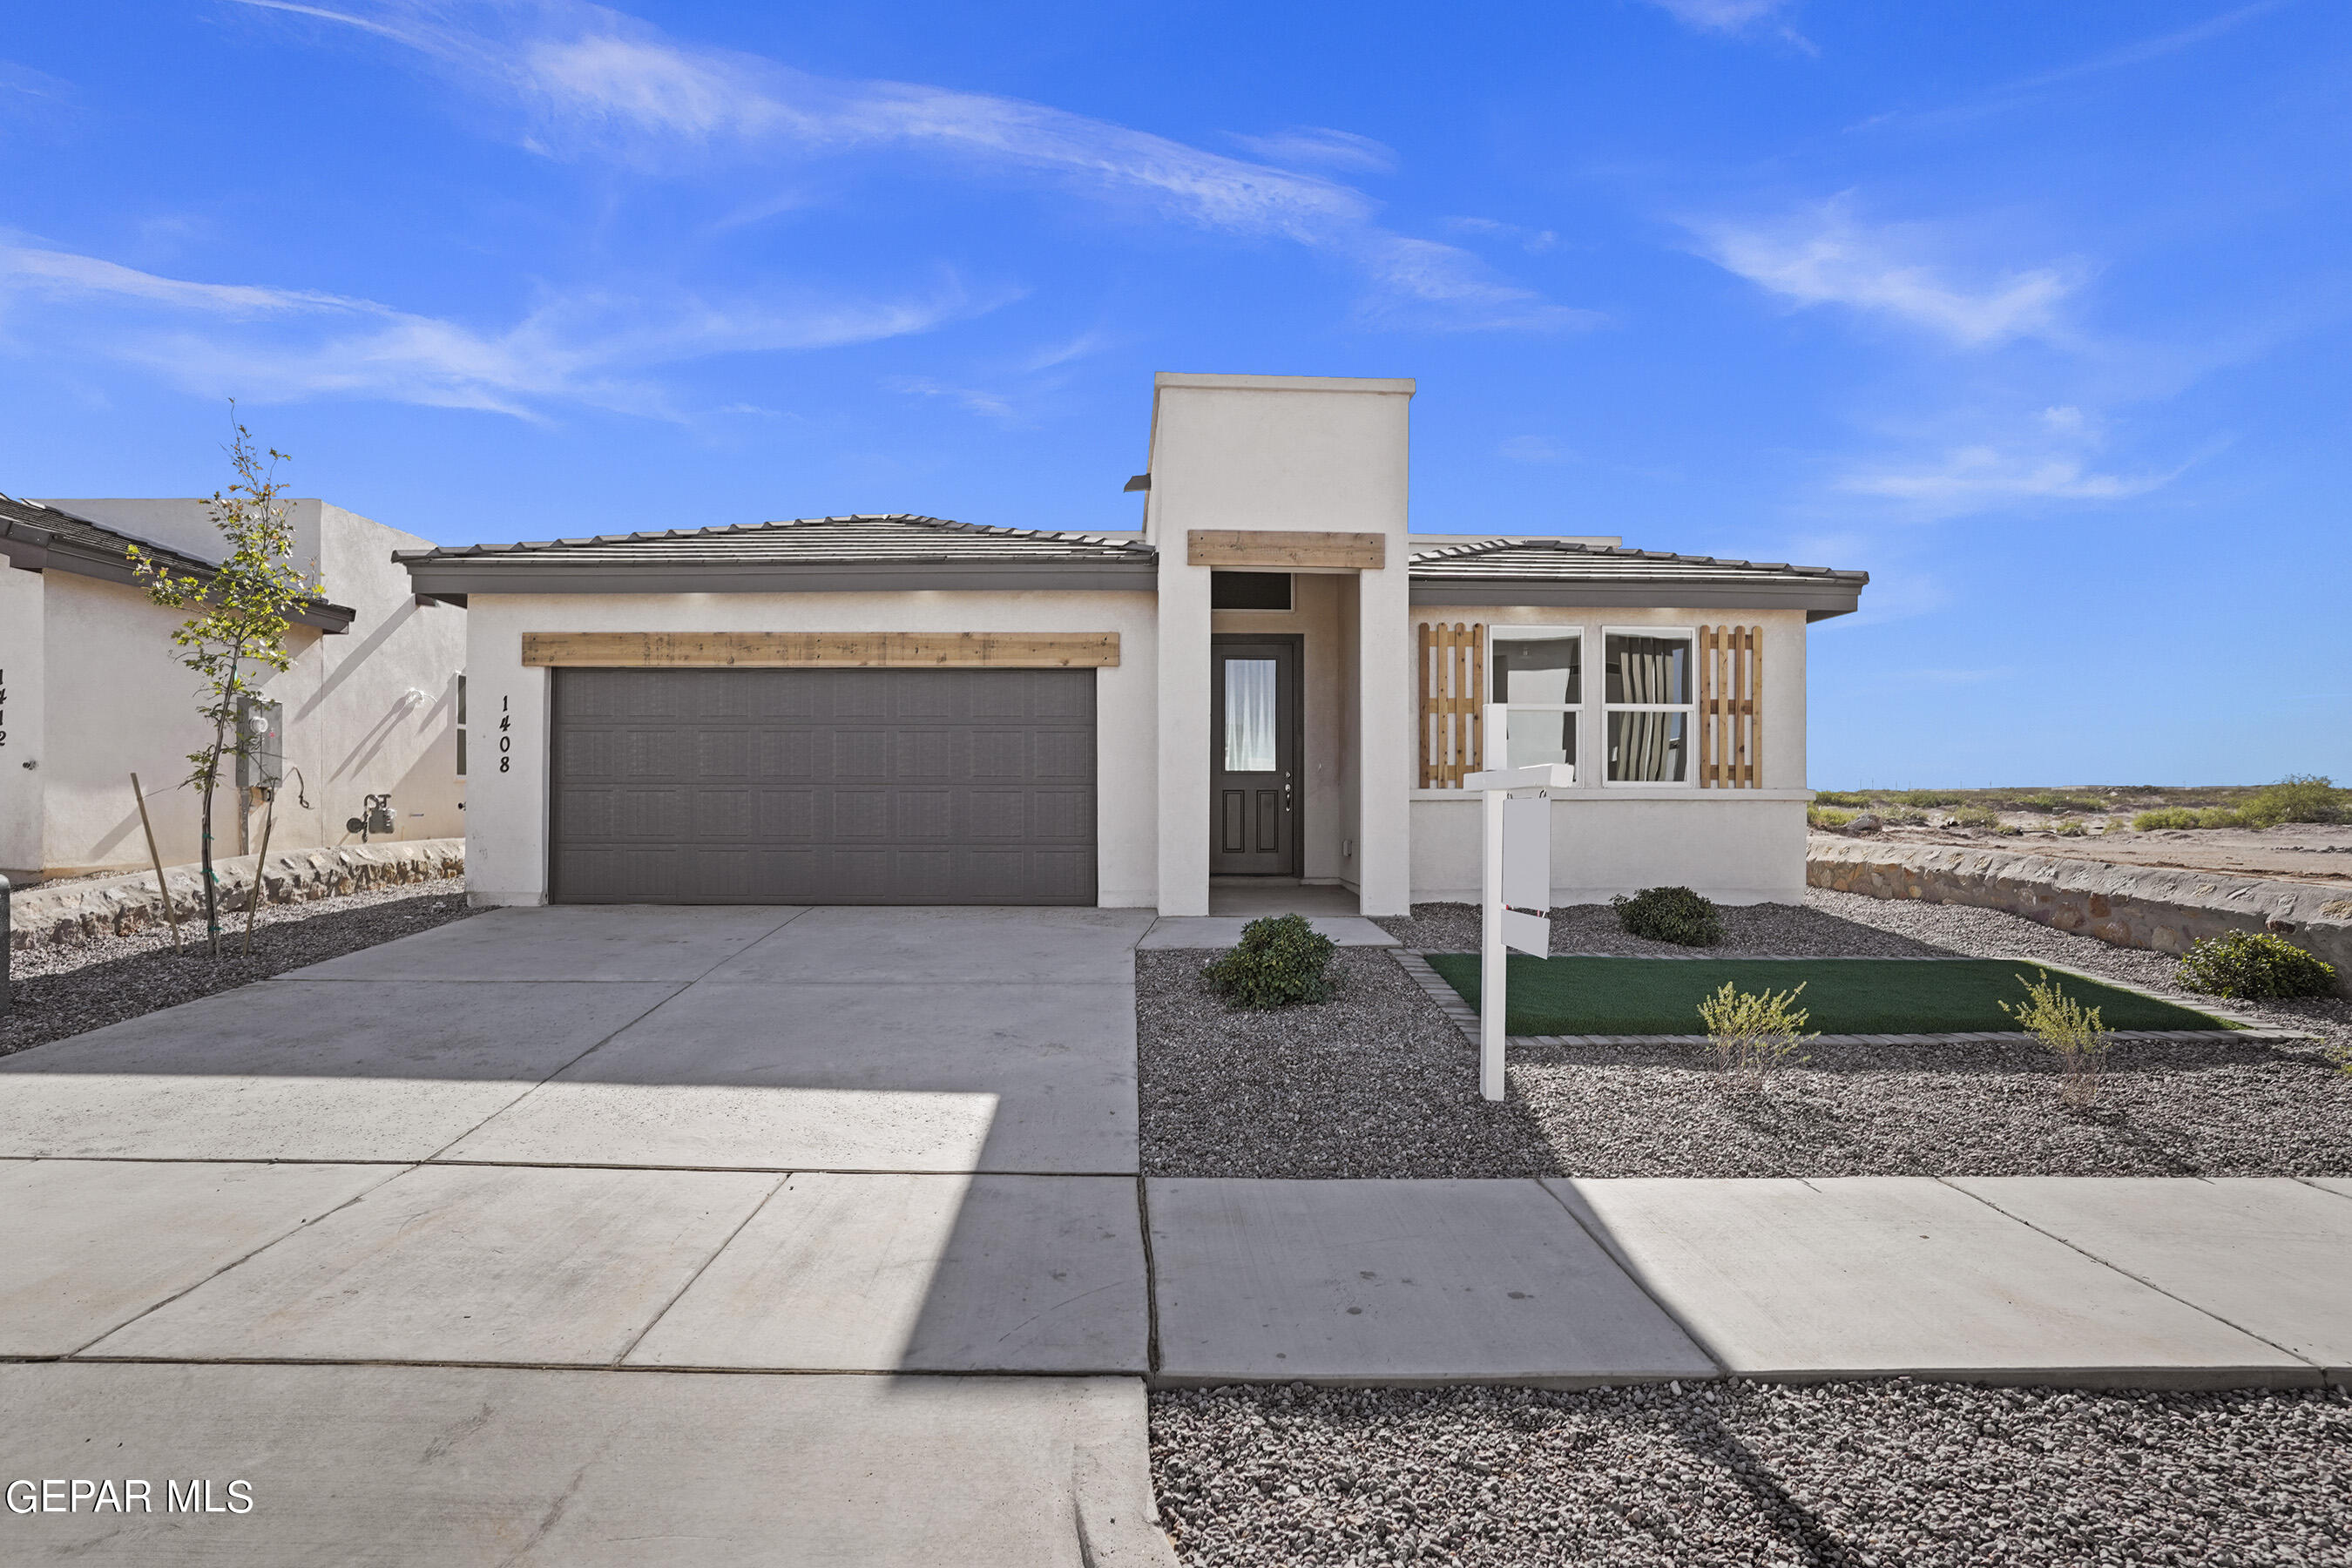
(1249, 716)
(1643, 742)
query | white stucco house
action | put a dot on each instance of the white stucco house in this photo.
(91, 691)
(1272, 678)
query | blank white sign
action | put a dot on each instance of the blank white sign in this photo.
(1527, 933)
(1527, 854)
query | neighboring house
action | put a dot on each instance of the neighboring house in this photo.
(1272, 678)
(91, 690)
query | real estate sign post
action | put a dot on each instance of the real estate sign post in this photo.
(1514, 891)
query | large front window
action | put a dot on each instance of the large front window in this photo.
(1651, 711)
(1538, 685)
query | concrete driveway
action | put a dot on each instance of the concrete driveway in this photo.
(488, 1246)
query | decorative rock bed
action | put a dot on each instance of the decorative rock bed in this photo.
(1380, 1082)
(63, 913)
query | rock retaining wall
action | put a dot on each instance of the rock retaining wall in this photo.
(67, 913)
(2130, 906)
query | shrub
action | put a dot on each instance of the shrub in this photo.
(2299, 797)
(2188, 816)
(1853, 797)
(2255, 966)
(2007, 829)
(1826, 816)
(1669, 914)
(1929, 797)
(2069, 1028)
(1976, 817)
(2071, 828)
(1280, 962)
(2046, 802)
(1753, 1033)
(1903, 816)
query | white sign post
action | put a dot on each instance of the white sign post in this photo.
(1515, 892)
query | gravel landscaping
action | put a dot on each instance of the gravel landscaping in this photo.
(1897, 1472)
(1379, 1083)
(60, 991)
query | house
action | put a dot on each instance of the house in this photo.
(1272, 678)
(91, 690)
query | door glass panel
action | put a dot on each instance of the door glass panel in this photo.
(1249, 716)
(1532, 736)
(1646, 748)
(1537, 670)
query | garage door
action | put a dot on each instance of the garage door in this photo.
(825, 787)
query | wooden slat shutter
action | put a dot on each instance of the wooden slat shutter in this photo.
(1731, 707)
(1452, 663)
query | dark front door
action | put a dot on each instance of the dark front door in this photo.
(1253, 756)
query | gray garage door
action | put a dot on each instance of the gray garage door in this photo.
(825, 786)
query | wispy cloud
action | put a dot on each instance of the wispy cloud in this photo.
(273, 344)
(1533, 449)
(600, 84)
(1732, 16)
(994, 405)
(1824, 256)
(1531, 240)
(2052, 458)
(1319, 147)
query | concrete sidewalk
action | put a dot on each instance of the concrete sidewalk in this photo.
(2088, 1282)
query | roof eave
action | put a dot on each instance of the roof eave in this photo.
(1819, 597)
(37, 550)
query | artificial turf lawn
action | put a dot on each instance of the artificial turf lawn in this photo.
(1844, 995)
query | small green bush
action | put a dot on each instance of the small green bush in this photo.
(1826, 816)
(1281, 962)
(2188, 816)
(2255, 966)
(2069, 1028)
(1976, 817)
(1930, 797)
(1669, 914)
(1853, 797)
(2299, 797)
(1903, 816)
(2007, 829)
(1751, 1034)
(2071, 828)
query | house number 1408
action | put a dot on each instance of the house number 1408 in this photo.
(506, 741)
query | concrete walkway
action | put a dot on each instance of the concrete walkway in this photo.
(528, 1239)
(420, 1241)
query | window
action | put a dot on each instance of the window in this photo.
(1539, 684)
(1250, 715)
(461, 726)
(1249, 590)
(1651, 711)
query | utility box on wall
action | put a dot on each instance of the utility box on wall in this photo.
(261, 758)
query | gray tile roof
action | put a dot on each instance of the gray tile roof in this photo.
(815, 541)
(42, 537)
(1556, 572)
(1556, 561)
(18, 516)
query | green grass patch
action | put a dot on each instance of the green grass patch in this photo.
(1844, 995)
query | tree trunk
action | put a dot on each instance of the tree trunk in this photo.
(212, 894)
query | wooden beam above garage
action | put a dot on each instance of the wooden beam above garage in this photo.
(1278, 550)
(822, 650)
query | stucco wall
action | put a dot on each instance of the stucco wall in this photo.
(369, 711)
(506, 828)
(23, 704)
(1744, 847)
(1734, 846)
(1282, 453)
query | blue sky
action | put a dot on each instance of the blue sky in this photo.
(2039, 313)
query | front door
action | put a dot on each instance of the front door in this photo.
(1253, 756)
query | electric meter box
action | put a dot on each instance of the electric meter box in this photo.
(261, 758)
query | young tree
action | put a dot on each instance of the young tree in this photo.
(237, 636)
